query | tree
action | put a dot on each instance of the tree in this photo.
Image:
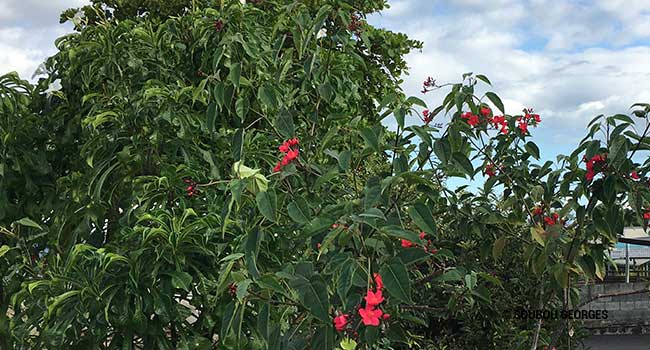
(219, 175)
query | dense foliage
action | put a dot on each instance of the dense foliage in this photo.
(191, 175)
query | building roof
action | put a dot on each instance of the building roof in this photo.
(635, 235)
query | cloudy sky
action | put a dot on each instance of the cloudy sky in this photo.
(570, 60)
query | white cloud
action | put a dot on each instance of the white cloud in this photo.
(28, 29)
(566, 59)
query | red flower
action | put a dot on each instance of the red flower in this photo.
(292, 154)
(406, 243)
(489, 170)
(551, 220)
(370, 316)
(485, 111)
(597, 159)
(422, 234)
(523, 126)
(537, 211)
(537, 118)
(472, 119)
(504, 129)
(218, 25)
(379, 282)
(277, 167)
(385, 317)
(646, 215)
(340, 322)
(634, 175)
(425, 113)
(373, 298)
(284, 148)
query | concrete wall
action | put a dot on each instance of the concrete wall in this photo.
(628, 314)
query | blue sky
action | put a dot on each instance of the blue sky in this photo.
(569, 60)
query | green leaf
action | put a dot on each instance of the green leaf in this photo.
(3, 250)
(284, 124)
(348, 344)
(232, 257)
(235, 74)
(313, 296)
(27, 222)
(373, 213)
(212, 116)
(470, 280)
(371, 138)
(268, 97)
(60, 299)
(464, 163)
(450, 276)
(181, 280)
(617, 150)
(242, 289)
(345, 159)
(400, 114)
(396, 280)
(483, 78)
(238, 144)
(252, 249)
(421, 216)
(323, 338)
(497, 248)
(267, 204)
(496, 101)
(537, 233)
(263, 321)
(561, 275)
(416, 101)
(398, 232)
(326, 91)
(532, 149)
(241, 107)
(299, 211)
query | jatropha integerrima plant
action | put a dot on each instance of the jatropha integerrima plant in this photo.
(146, 204)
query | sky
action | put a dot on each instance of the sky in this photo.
(569, 60)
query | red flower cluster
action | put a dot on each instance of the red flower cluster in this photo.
(345, 227)
(552, 220)
(290, 150)
(472, 119)
(232, 289)
(524, 121)
(427, 116)
(370, 314)
(489, 170)
(191, 187)
(408, 244)
(646, 215)
(355, 24)
(428, 85)
(499, 122)
(591, 163)
(218, 25)
(537, 211)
